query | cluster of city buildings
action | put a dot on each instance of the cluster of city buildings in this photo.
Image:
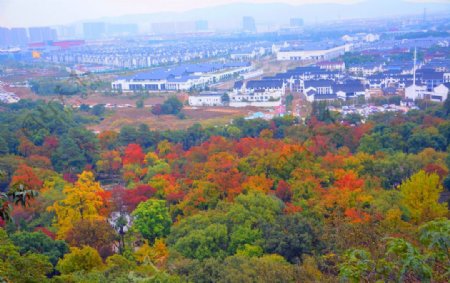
(126, 55)
(377, 71)
(389, 72)
(23, 36)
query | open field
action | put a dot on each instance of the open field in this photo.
(92, 98)
(204, 116)
(126, 112)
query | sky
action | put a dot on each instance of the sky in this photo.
(26, 13)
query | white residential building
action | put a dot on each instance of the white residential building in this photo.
(416, 91)
(258, 98)
(181, 78)
(440, 93)
(206, 99)
(289, 54)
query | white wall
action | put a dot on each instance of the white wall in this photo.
(255, 103)
(205, 100)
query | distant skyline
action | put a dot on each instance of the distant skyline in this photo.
(26, 13)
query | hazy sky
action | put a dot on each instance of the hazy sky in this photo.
(15, 13)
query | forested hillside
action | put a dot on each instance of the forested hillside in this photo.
(327, 200)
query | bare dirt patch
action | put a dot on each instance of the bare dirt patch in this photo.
(204, 116)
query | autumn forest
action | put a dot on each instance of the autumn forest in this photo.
(328, 199)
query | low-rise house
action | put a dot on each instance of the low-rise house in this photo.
(332, 65)
(440, 93)
(324, 97)
(329, 90)
(366, 69)
(268, 84)
(247, 54)
(319, 86)
(416, 91)
(438, 65)
(350, 90)
(257, 85)
(447, 77)
(430, 78)
(206, 99)
(259, 98)
(390, 91)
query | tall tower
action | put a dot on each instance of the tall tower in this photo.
(248, 24)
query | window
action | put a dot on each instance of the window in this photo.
(151, 87)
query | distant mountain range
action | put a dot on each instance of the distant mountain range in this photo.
(230, 15)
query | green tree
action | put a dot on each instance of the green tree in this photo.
(98, 109)
(200, 244)
(84, 259)
(291, 236)
(446, 105)
(38, 242)
(411, 266)
(3, 146)
(68, 156)
(152, 219)
(171, 106)
(140, 104)
(435, 236)
(21, 268)
(356, 266)
(117, 266)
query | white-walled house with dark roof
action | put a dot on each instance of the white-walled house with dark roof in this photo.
(260, 93)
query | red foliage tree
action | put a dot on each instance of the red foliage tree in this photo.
(139, 194)
(283, 191)
(133, 155)
(39, 161)
(356, 216)
(292, 208)
(50, 144)
(26, 147)
(126, 200)
(439, 170)
(348, 180)
(25, 176)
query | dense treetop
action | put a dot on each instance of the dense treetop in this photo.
(256, 201)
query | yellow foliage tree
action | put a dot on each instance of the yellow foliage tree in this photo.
(258, 183)
(420, 195)
(82, 201)
(156, 254)
(151, 158)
